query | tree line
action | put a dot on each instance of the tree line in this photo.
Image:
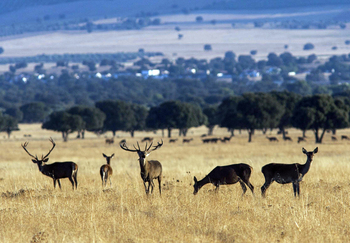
(251, 111)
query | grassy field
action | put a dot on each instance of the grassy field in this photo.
(31, 210)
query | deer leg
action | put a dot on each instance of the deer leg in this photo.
(59, 183)
(296, 188)
(110, 182)
(71, 181)
(244, 188)
(265, 186)
(54, 183)
(144, 183)
(152, 185)
(160, 186)
(75, 180)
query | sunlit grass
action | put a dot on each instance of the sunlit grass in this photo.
(32, 210)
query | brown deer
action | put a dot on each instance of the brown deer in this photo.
(150, 169)
(344, 137)
(57, 170)
(226, 175)
(106, 170)
(109, 140)
(301, 139)
(287, 173)
(173, 140)
(272, 139)
(186, 140)
(145, 139)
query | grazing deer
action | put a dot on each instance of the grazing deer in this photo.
(150, 169)
(334, 138)
(57, 170)
(287, 173)
(272, 139)
(344, 137)
(106, 170)
(226, 139)
(109, 140)
(145, 139)
(226, 175)
(285, 138)
(185, 140)
(173, 140)
(301, 139)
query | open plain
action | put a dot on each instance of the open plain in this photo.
(33, 211)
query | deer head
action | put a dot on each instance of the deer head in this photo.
(142, 153)
(43, 159)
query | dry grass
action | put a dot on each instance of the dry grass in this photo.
(31, 210)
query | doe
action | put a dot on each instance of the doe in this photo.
(226, 175)
(287, 173)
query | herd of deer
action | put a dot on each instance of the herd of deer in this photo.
(152, 169)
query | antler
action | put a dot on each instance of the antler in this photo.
(155, 147)
(123, 146)
(53, 146)
(24, 147)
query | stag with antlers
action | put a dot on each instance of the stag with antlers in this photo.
(57, 170)
(150, 169)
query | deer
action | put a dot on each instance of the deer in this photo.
(150, 169)
(109, 140)
(187, 140)
(287, 173)
(173, 140)
(106, 170)
(226, 175)
(57, 170)
(149, 139)
(272, 139)
(344, 137)
(301, 139)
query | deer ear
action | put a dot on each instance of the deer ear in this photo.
(195, 179)
(304, 151)
(315, 150)
(34, 161)
(45, 160)
(104, 155)
(112, 155)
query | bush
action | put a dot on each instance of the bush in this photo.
(207, 47)
(199, 19)
(253, 52)
(308, 46)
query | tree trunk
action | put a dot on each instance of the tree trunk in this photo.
(184, 132)
(83, 134)
(232, 131)
(250, 132)
(65, 136)
(132, 133)
(318, 139)
(169, 132)
(304, 133)
(163, 133)
(210, 130)
(113, 133)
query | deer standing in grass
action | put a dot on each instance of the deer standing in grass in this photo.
(150, 169)
(57, 170)
(226, 175)
(287, 173)
(106, 170)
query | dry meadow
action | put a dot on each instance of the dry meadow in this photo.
(31, 210)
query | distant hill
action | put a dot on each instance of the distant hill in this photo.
(27, 11)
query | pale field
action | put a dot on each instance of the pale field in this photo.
(31, 210)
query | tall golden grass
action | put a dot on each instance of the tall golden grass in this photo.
(31, 210)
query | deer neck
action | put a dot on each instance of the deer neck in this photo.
(42, 168)
(143, 165)
(204, 181)
(305, 167)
